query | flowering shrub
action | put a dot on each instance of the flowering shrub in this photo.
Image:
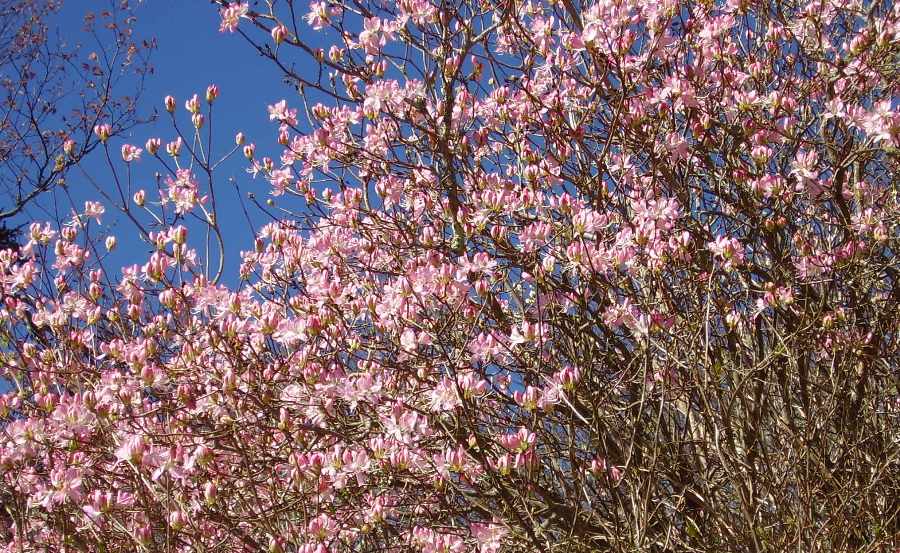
(619, 276)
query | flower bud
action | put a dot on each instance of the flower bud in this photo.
(212, 92)
(102, 132)
(174, 148)
(94, 291)
(69, 147)
(139, 198)
(179, 234)
(170, 104)
(130, 153)
(110, 243)
(249, 150)
(193, 105)
(275, 545)
(239, 139)
(210, 491)
(152, 145)
(279, 33)
(198, 120)
(177, 520)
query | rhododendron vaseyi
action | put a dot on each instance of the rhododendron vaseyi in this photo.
(557, 277)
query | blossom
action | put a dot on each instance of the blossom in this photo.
(726, 249)
(317, 16)
(130, 153)
(66, 485)
(231, 16)
(182, 191)
(131, 450)
(279, 33)
(94, 210)
(103, 131)
(489, 536)
(281, 113)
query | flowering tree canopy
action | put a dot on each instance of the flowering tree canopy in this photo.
(538, 276)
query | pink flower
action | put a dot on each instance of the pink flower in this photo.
(131, 450)
(489, 536)
(174, 148)
(408, 340)
(212, 92)
(281, 180)
(281, 113)
(130, 153)
(317, 16)
(279, 33)
(103, 132)
(374, 35)
(729, 250)
(153, 145)
(66, 486)
(182, 191)
(94, 210)
(193, 104)
(232, 15)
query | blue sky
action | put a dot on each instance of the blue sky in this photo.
(191, 54)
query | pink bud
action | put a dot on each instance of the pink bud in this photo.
(481, 287)
(179, 234)
(103, 132)
(152, 145)
(170, 103)
(177, 520)
(193, 105)
(210, 491)
(275, 545)
(279, 33)
(95, 291)
(130, 153)
(69, 147)
(139, 197)
(239, 139)
(197, 119)
(212, 92)
(249, 151)
(174, 148)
